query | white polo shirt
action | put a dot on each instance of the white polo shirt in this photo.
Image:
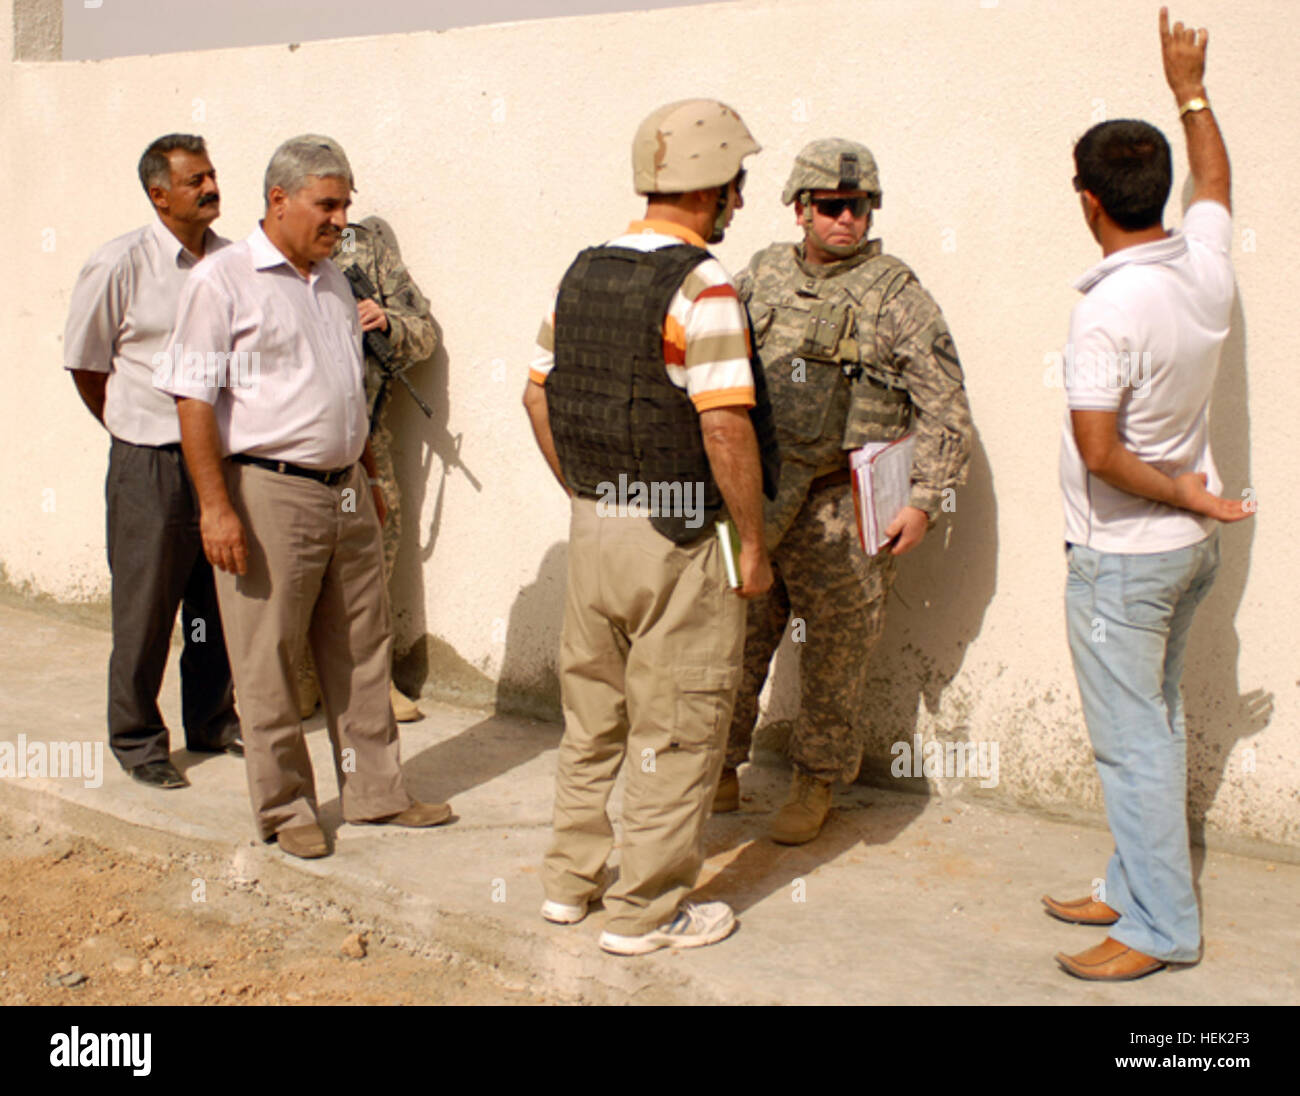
(122, 309)
(1145, 343)
(277, 355)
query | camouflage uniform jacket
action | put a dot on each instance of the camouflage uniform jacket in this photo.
(411, 329)
(857, 351)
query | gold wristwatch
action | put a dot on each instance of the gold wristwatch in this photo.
(1193, 104)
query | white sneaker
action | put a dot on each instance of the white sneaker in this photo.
(560, 914)
(696, 924)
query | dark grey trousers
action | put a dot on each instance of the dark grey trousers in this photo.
(155, 555)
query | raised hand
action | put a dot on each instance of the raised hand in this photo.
(1183, 52)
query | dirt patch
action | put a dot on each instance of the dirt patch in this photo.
(82, 924)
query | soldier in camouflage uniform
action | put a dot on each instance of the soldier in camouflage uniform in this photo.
(402, 314)
(854, 351)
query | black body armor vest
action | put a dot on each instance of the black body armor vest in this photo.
(613, 410)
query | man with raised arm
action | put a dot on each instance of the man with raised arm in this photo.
(1142, 504)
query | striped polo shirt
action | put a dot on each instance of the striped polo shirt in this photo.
(705, 331)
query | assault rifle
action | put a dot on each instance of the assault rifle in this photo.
(377, 344)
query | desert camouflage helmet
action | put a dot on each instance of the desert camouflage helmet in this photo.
(833, 164)
(692, 144)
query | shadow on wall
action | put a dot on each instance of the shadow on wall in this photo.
(427, 659)
(528, 685)
(936, 610)
(1218, 712)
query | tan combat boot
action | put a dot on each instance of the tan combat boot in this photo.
(308, 690)
(801, 818)
(726, 797)
(404, 710)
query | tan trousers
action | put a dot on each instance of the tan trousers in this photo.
(650, 658)
(315, 575)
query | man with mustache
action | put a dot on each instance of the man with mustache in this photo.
(121, 312)
(292, 518)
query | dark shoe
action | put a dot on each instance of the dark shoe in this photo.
(158, 774)
(1082, 911)
(726, 797)
(1109, 961)
(418, 815)
(307, 842)
(234, 745)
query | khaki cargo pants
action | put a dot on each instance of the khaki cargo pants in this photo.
(650, 659)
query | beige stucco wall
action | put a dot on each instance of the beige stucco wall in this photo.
(497, 152)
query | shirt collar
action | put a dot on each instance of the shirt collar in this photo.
(1172, 247)
(265, 254)
(171, 245)
(667, 228)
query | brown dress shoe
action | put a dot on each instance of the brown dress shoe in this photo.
(1082, 911)
(1109, 961)
(418, 815)
(726, 797)
(307, 842)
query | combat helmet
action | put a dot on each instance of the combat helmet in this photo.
(832, 163)
(692, 144)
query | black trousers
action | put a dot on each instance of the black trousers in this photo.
(155, 555)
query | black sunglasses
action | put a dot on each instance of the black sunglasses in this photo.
(833, 207)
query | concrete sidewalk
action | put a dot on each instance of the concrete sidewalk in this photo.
(903, 899)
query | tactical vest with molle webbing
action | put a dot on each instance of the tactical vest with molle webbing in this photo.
(613, 409)
(833, 388)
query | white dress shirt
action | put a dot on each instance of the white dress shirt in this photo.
(1145, 344)
(122, 310)
(277, 355)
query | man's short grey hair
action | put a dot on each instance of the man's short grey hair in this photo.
(155, 169)
(299, 158)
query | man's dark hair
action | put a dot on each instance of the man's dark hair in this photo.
(1127, 166)
(155, 169)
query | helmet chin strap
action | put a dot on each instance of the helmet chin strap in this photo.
(839, 251)
(720, 217)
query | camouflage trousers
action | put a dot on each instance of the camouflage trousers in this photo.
(836, 595)
(381, 448)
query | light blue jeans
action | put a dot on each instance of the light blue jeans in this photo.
(1129, 617)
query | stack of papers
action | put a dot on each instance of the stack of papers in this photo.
(881, 472)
